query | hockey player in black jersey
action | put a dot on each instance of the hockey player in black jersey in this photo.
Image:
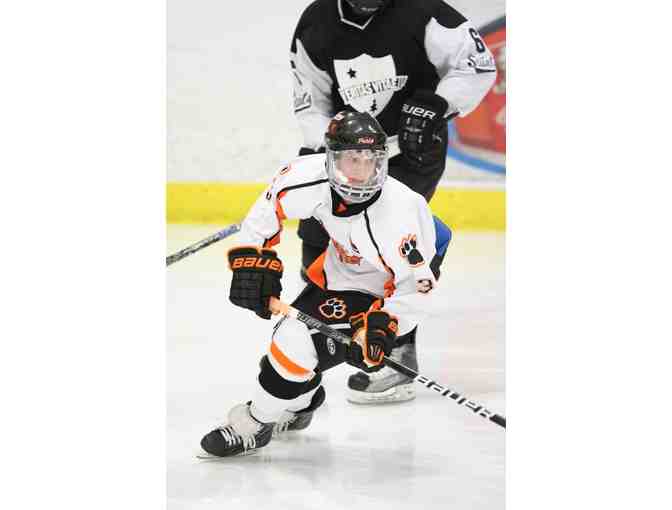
(412, 64)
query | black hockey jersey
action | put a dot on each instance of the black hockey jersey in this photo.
(375, 66)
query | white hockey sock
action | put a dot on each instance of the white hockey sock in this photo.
(266, 408)
(302, 401)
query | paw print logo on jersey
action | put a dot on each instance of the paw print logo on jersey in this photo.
(408, 249)
(333, 308)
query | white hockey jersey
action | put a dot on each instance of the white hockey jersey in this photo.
(383, 249)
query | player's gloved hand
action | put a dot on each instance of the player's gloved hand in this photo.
(256, 277)
(423, 135)
(374, 337)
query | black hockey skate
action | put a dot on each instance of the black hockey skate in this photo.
(243, 434)
(299, 420)
(386, 385)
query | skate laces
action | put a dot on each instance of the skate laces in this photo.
(232, 437)
(283, 425)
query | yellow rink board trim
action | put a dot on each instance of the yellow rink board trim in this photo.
(219, 203)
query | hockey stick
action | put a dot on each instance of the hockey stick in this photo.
(278, 306)
(189, 250)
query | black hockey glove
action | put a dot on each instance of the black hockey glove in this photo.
(374, 336)
(423, 135)
(256, 277)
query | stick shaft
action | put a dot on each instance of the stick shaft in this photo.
(278, 306)
(204, 243)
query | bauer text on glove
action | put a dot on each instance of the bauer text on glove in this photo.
(423, 135)
(256, 277)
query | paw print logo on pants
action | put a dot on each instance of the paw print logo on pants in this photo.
(408, 250)
(333, 308)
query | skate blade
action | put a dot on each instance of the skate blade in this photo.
(209, 456)
(392, 395)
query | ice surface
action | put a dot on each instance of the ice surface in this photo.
(425, 454)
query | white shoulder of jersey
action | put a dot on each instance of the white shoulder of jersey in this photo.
(400, 216)
(296, 190)
(463, 62)
(301, 172)
(312, 96)
(397, 192)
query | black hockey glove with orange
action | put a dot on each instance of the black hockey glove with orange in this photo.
(423, 133)
(375, 333)
(256, 277)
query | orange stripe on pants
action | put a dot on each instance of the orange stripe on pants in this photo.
(287, 363)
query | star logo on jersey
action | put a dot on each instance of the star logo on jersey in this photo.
(375, 82)
(408, 249)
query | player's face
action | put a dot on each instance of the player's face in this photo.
(358, 166)
(356, 175)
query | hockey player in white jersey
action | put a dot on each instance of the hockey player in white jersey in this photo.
(373, 280)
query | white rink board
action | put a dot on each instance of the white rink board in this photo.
(426, 454)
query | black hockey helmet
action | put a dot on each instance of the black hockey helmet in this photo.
(354, 130)
(367, 7)
(356, 149)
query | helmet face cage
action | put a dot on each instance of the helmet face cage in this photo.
(348, 187)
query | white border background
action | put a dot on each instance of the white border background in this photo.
(83, 322)
(82, 110)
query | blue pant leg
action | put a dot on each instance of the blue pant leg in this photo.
(443, 236)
